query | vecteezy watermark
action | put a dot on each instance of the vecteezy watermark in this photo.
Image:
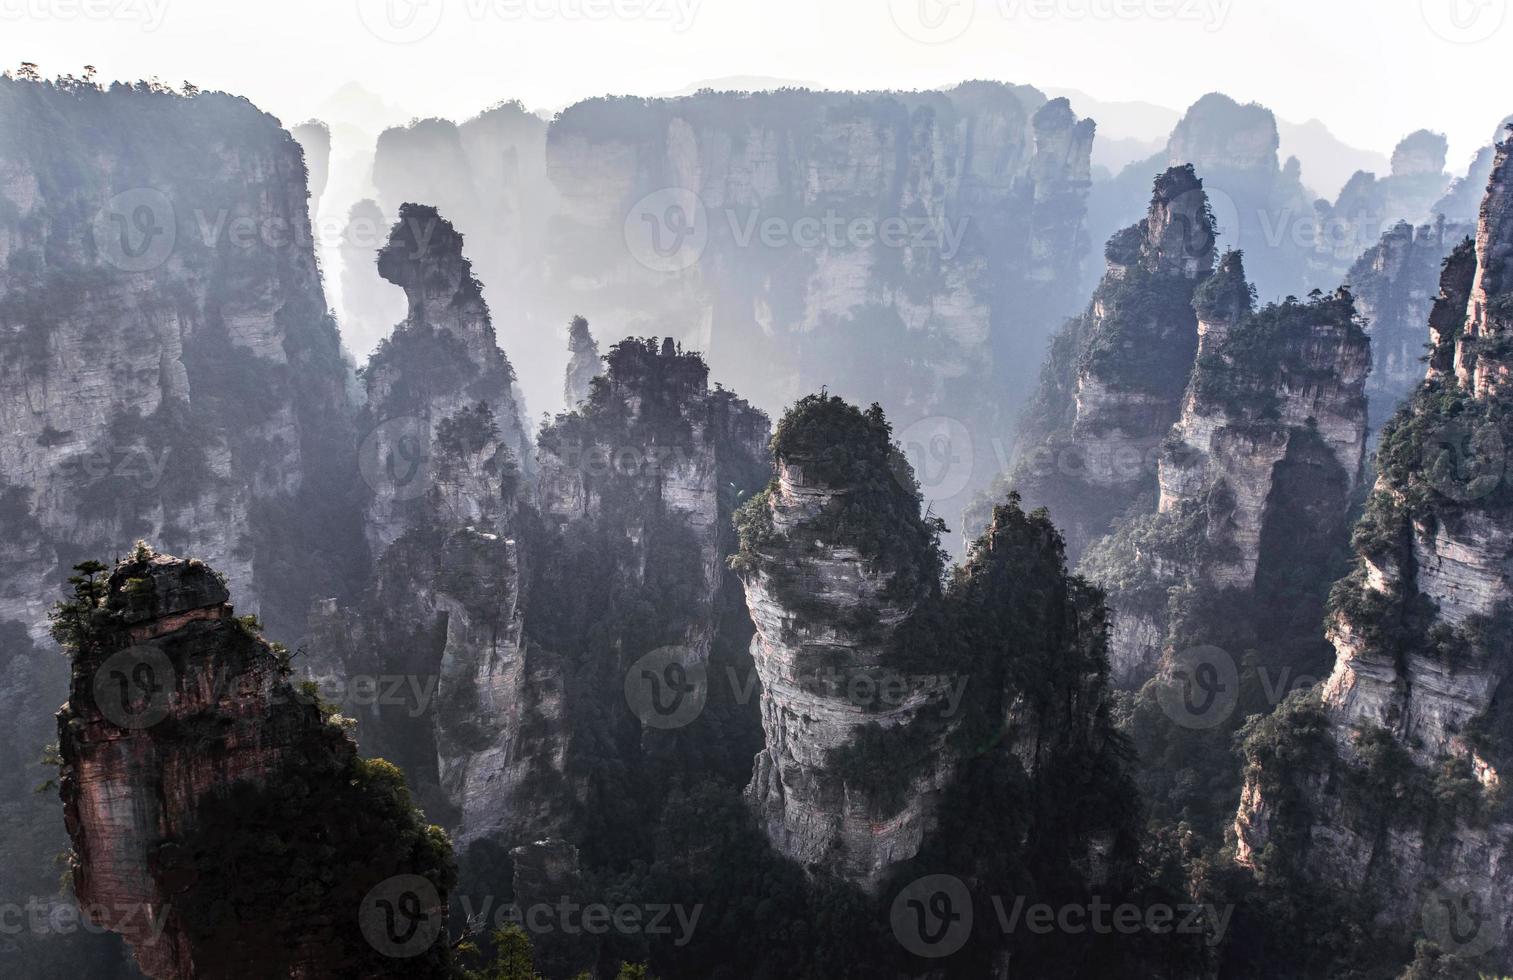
(875, 690)
(933, 917)
(134, 464)
(1199, 688)
(1464, 21)
(136, 230)
(933, 21)
(1458, 916)
(409, 21)
(401, 21)
(941, 21)
(573, 918)
(667, 230)
(415, 693)
(940, 454)
(134, 687)
(667, 688)
(1211, 14)
(1099, 917)
(670, 229)
(54, 917)
(148, 13)
(1464, 462)
(402, 917)
(395, 458)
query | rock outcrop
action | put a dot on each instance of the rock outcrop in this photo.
(583, 367)
(1416, 707)
(167, 370)
(1265, 383)
(1269, 447)
(1114, 383)
(865, 661)
(444, 458)
(220, 818)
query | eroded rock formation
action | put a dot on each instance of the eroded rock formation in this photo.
(167, 370)
(583, 367)
(220, 818)
(1415, 710)
(1114, 383)
(871, 673)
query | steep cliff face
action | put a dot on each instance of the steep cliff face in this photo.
(1268, 449)
(1265, 382)
(221, 821)
(835, 604)
(444, 461)
(442, 360)
(866, 662)
(1113, 385)
(167, 368)
(633, 502)
(1415, 705)
(1394, 284)
(981, 187)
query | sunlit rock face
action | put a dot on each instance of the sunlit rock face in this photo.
(167, 370)
(167, 775)
(1421, 633)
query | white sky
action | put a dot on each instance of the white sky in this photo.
(1371, 69)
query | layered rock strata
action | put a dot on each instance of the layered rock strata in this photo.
(1416, 703)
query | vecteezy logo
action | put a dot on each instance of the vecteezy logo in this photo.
(400, 21)
(1459, 919)
(932, 916)
(1200, 687)
(134, 687)
(401, 916)
(1464, 21)
(395, 458)
(939, 450)
(664, 690)
(1464, 462)
(136, 230)
(667, 230)
(933, 21)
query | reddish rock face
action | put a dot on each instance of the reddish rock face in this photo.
(176, 708)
